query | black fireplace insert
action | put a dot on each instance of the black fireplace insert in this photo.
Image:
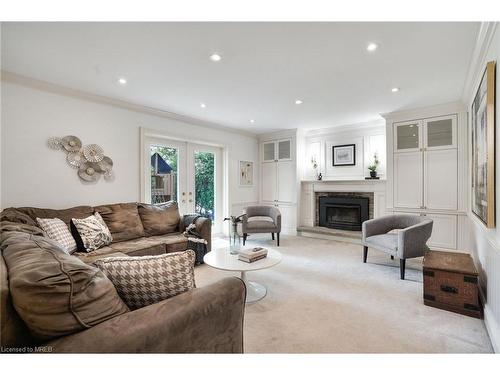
(346, 213)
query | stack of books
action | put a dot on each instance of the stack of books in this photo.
(252, 255)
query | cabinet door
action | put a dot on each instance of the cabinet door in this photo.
(408, 180)
(440, 179)
(284, 149)
(286, 181)
(440, 132)
(269, 151)
(269, 182)
(444, 231)
(407, 136)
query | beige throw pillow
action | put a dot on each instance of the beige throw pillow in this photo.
(57, 230)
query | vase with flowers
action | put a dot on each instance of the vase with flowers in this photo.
(373, 166)
(234, 236)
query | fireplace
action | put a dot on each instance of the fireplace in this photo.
(346, 213)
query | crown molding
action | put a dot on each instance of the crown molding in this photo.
(478, 60)
(368, 125)
(423, 112)
(53, 88)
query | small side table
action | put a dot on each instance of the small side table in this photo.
(451, 283)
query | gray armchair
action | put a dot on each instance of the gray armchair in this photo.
(261, 219)
(410, 241)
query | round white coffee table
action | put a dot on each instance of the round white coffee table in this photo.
(223, 260)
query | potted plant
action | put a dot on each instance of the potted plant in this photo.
(373, 167)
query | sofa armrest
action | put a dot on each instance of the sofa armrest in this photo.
(204, 228)
(412, 241)
(203, 320)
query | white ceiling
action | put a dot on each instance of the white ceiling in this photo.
(264, 67)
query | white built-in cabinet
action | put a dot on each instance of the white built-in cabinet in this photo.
(278, 179)
(425, 179)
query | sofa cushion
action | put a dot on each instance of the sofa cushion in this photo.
(65, 215)
(142, 281)
(56, 294)
(159, 219)
(123, 220)
(174, 242)
(91, 233)
(90, 258)
(56, 230)
(140, 246)
(264, 225)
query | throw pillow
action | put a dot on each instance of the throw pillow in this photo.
(91, 233)
(159, 219)
(56, 230)
(142, 281)
(55, 293)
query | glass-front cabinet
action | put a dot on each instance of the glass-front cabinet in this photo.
(280, 150)
(434, 133)
(408, 136)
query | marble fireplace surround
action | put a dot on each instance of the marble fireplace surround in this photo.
(312, 190)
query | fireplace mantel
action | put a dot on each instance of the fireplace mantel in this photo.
(309, 188)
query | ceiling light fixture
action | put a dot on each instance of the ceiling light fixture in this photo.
(395, 89)
(371, 47)
(203, 105)
(298, 101)
(122, 81)
(252, 121)
(215, 57)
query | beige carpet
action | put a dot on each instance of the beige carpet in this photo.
(323, 299)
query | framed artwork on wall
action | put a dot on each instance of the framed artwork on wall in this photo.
(483, 148)
(246, 173)
(344, 155)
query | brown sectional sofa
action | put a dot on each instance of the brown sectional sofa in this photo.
(203, 320)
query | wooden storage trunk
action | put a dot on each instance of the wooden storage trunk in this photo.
(451, 283)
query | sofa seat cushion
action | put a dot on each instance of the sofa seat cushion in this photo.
(123, 220)
(143, 281)
(99, 253)
(140, 246)
(55, 293)
(384, 242)
(91, 258)
(159, 219)
(174, 242)
(260, 218)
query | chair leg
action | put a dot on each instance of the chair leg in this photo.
(365, 253)
(402, 264)
(244, 238)
(278, 238)
(392, 257)
(272, 236)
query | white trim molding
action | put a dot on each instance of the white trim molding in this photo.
(34, 83)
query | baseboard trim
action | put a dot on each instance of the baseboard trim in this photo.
(492, 328)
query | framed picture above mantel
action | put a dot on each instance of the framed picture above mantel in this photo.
(483, 148)
(344, 155)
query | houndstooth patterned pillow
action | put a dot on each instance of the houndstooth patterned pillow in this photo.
(144, 280)
(57, 230)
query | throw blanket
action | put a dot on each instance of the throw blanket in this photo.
(195, 241)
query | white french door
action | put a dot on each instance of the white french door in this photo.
(187, 173)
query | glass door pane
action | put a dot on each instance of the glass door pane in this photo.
(407, 136)
(440, 132)
(285, 150)
(204, 181)
(269, 154)
(164, 173)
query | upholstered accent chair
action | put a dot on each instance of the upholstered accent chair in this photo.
(402, 236)
(261, 219)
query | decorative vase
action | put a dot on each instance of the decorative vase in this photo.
(320, 177)
(373, 174)
(234, 239)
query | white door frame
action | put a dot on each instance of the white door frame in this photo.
(146, 135)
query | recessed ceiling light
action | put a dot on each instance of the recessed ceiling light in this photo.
(122, 81)
(371, 47)
(252, 121)
(298, 101)
(215, 57)
(203, 105)
(395, 89)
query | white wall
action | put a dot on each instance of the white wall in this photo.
(368, 138)
(485, 243)
(35, 175)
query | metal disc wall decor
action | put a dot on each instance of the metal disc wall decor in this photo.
(93, 153)
(75, 159)
(55, 143)
(89, 172)
(89, 159)
(71, 143)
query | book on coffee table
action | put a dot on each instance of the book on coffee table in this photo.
(252, 255)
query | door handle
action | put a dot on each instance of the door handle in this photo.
(190, 200)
